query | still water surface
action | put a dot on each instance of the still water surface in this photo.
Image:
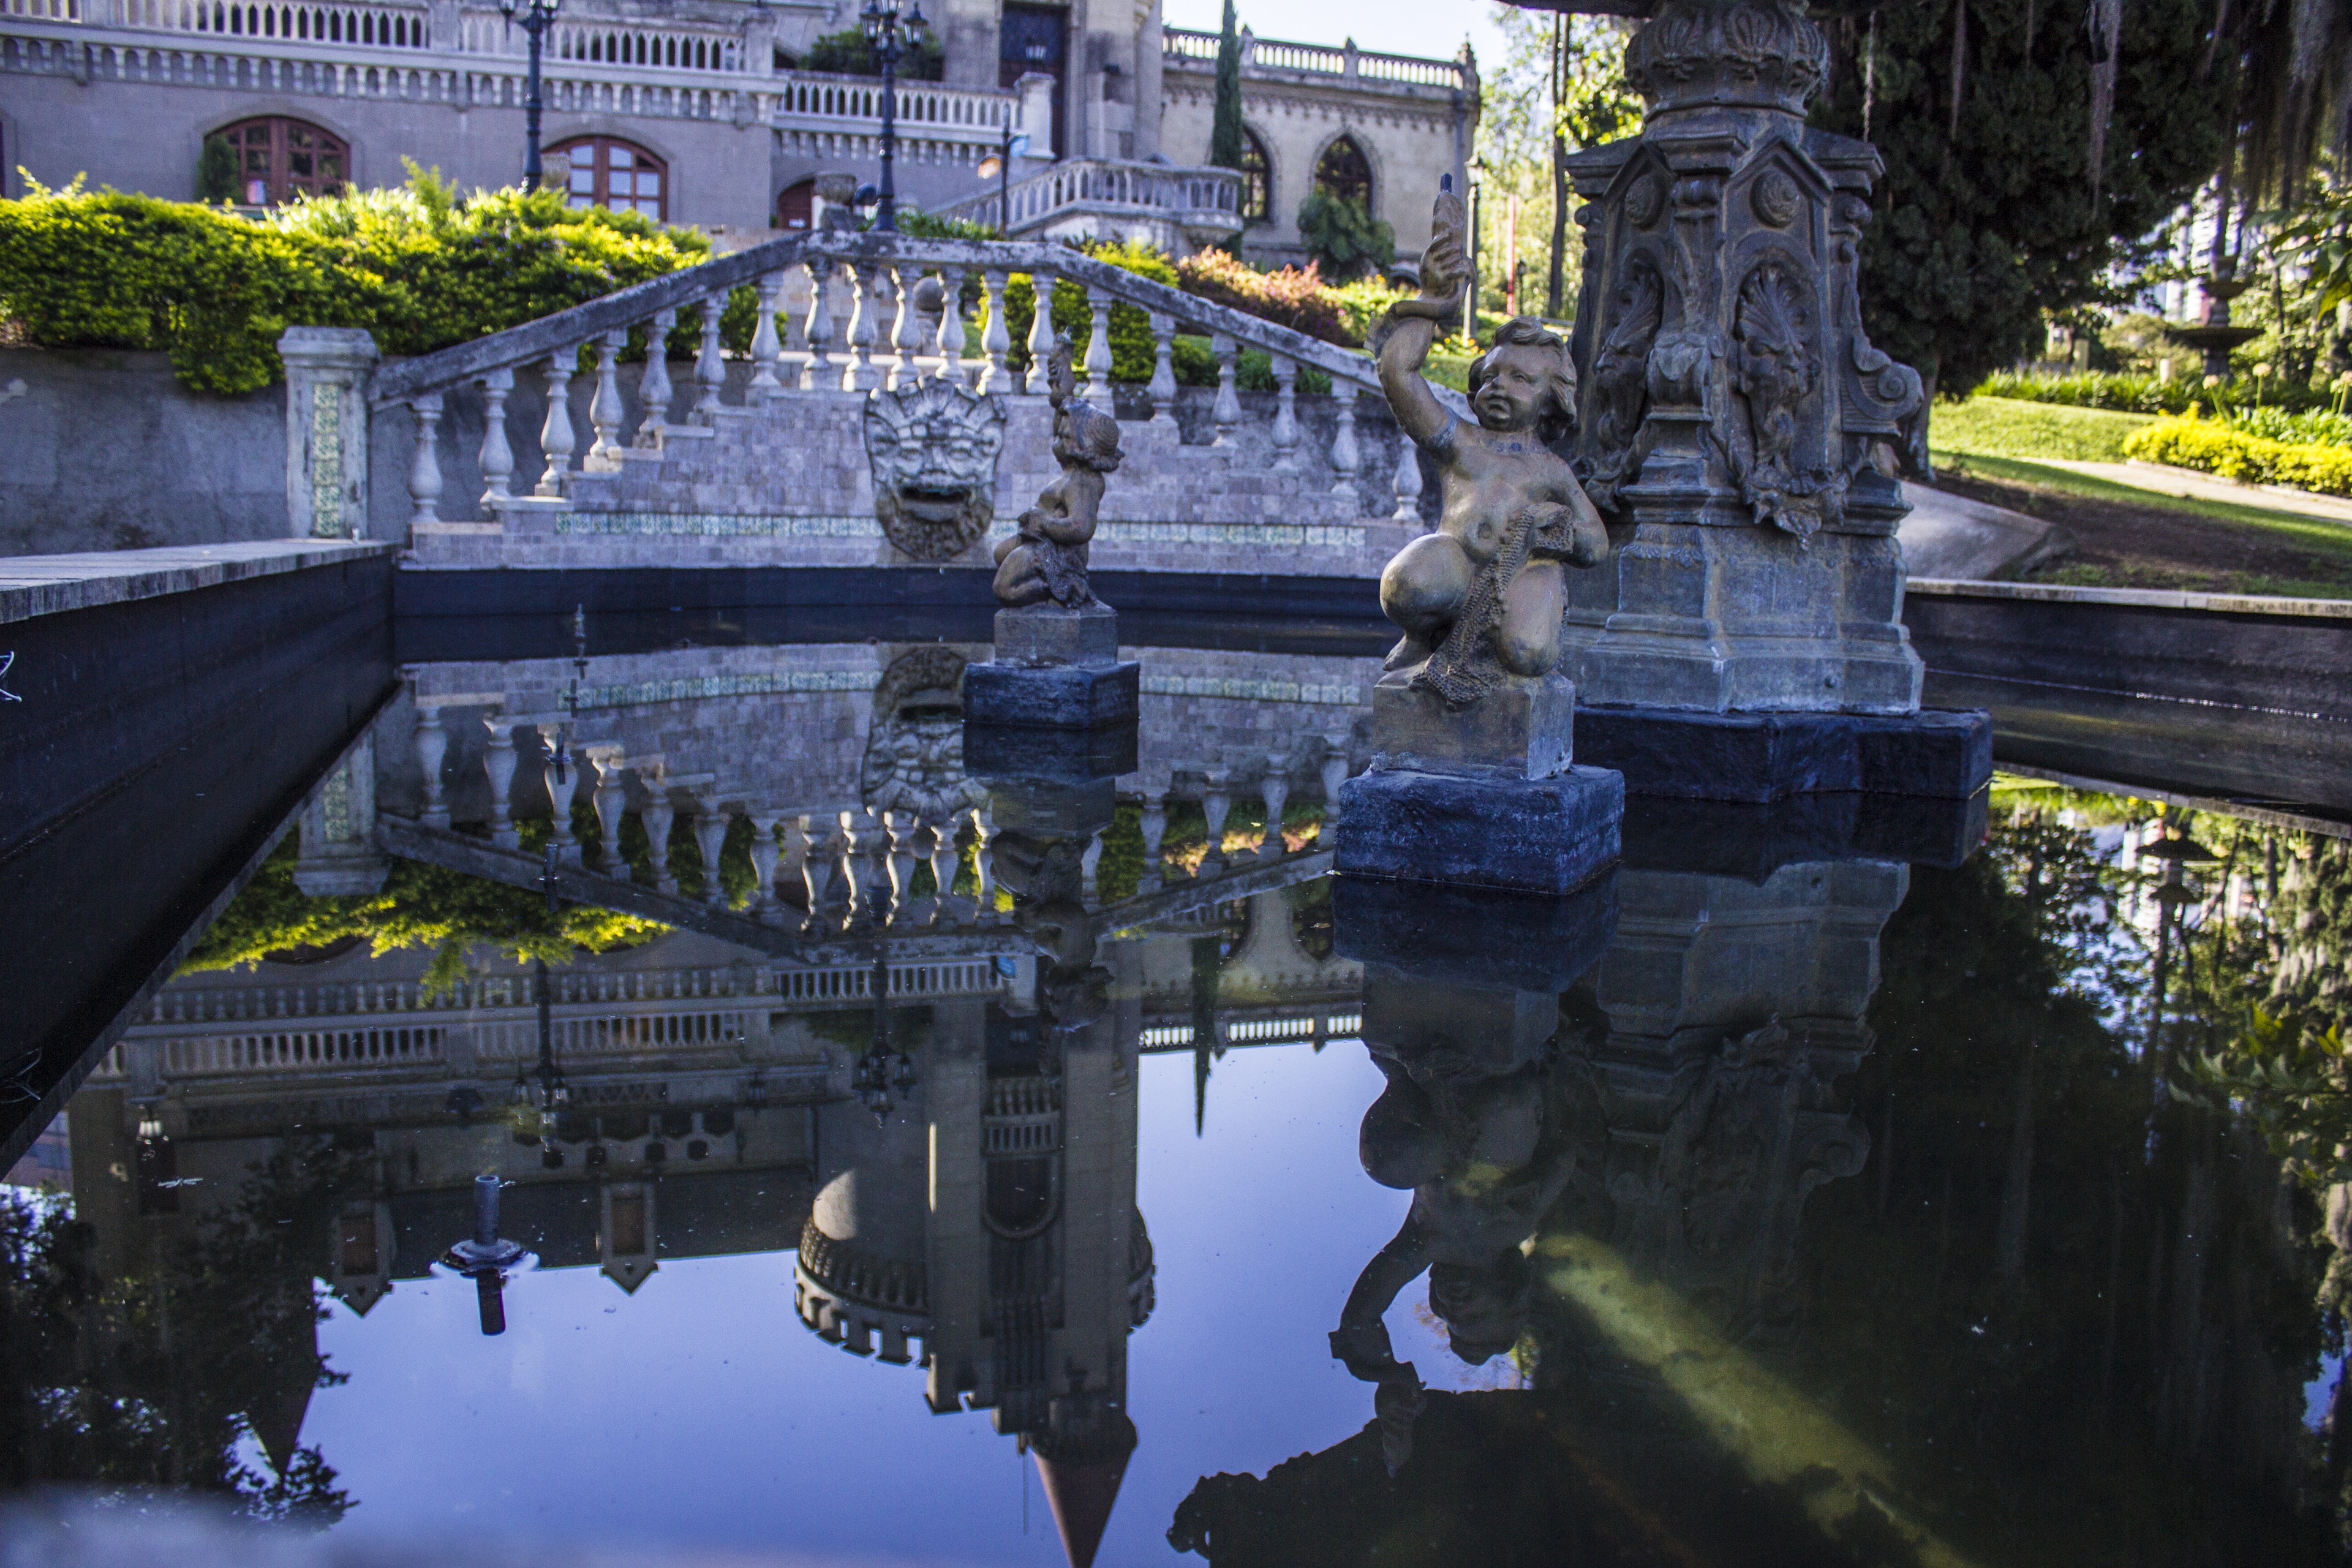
(1872, 1185)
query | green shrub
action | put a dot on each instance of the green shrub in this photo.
(413, 265)
(1344, 236)
(217, 171)
(2004, 427)
(1292, 296)
(2213, 446)
(2319, 426)
(2144, 394)
(847, 53)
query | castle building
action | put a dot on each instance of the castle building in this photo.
(704, 111)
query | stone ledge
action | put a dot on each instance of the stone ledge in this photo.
(1537, 836)
(1945, 753)
(33, 586)
(2146, 598)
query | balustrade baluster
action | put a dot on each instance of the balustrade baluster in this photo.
(765, 852)
(1098, 348)
(1041, 330)
(1088, 863)
(1163, 387)
(995, 339)
(425, 469)
(819, 368)
(605, 410)
(1274, 789)
(766, 351)
(710, 363)
(1215, 804)
(711, 838)
(905, 330)
(658, 817)
(612, 802)
(561, 794)
(1286, 414)
(498, 456)
(1408, 482)
(983, 855)
(432, 747)
(859, 375)
(1335, 773)
(1226, 413)
(652, 387)
(1346, 458)
(796, 865)
(1155, 830)
(951, 323)
(555, 435)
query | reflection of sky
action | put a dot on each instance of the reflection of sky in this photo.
(700, 1411)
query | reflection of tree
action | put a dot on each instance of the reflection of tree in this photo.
(421, 906)
(154, 1380)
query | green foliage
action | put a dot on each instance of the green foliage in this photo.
(413, 265)
(1131, 352)
(847, 53)
(2322, 427)
(2216, 446)
(916, 224)
(217, 171)
(1999, 428)
(2290, 1077)
(421, 906)
(1343, 238)
(1986, 216)
(2143, 394)
(1225, 139)
(1292, 296)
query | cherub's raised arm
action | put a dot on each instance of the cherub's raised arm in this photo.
(1411, 325)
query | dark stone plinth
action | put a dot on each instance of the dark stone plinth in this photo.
(1543, 836)
(1519, 729)
(1475, 936)
(1050, 635)
(1939, 753)
(1054, 697)
(1752, 839)
(1052, 756)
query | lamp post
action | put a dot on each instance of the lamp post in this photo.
(536, 17)
(998, 166)
(890, 34)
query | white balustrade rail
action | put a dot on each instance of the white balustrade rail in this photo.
(378, 27)
(881, 272)
(1205, 198)
(1183, 47)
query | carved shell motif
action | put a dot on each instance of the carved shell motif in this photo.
(933, 446)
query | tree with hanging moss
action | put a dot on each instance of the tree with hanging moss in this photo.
(2029, 153)
(1225, 139)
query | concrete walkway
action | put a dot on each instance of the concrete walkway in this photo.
(2163, 478)
(1951, 538)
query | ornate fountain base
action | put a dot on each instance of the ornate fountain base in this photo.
(1484, 797)
(1940, 753)
(1055, 669)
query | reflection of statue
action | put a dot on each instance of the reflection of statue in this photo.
(1484, 595)
(933, 446)
(1047, 559)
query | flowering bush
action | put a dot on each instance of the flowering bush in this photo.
(1292, 296)
(2224, 448)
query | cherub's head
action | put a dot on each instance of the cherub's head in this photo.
(1524, 382)
(1483, 1306)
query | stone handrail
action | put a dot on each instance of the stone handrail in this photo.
(380, 25)
(1187, 46)
(858, 99)
(1202, 197)
(881, 272)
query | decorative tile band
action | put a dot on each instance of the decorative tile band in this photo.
(1250, 690)
(638, 694)
(712, 524)
(1251, 535)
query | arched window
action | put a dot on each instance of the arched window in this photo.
(1343, 172)
(796, 207)
(279, 159)
(1257, 179)
(618, 175)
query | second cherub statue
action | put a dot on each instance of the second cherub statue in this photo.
(1057, 664)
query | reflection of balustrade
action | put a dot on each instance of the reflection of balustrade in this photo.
(290, 1051)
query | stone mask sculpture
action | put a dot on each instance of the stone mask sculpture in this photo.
(1047, 559)
(933, 445)
(1481, 597)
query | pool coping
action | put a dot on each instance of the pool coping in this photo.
(2145, 598)
(33, 585)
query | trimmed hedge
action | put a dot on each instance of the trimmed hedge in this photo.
(2213, 448)
(2144, 394)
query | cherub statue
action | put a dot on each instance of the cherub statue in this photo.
(1047, 558)
(1484, 596)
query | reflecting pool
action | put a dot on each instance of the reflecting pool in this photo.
(931, 1147)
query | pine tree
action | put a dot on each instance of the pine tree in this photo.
(1225, 118)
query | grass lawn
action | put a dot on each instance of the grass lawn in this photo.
(2128, 538)
(2006, 427)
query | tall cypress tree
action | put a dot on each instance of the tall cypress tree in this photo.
(1225, 119)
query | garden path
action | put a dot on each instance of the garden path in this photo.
(2165, 479)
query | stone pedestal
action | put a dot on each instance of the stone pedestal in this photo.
(1055, 669)
(1944, 754)
(1485, 795)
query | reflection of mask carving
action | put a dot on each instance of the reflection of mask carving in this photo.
(914, 751)
(933, 445)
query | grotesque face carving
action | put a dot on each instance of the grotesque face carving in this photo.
(933, 445)
(914, 751)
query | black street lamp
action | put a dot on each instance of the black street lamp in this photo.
(554, 1090)
(998, 166)
(890, 34)
(536, 17)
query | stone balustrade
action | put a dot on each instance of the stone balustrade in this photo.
(1177, 208)
(1186, 47)
(848, 315)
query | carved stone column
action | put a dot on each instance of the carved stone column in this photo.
(1737, 428)
(326, 430)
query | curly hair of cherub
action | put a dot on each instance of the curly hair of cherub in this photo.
(1525, 332)
(1087, 435)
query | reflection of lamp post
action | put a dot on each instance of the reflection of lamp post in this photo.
(882, 1070)
(998, 166)
(485, 1258)
(537, 16)
(890, 35)
(553, 1090)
